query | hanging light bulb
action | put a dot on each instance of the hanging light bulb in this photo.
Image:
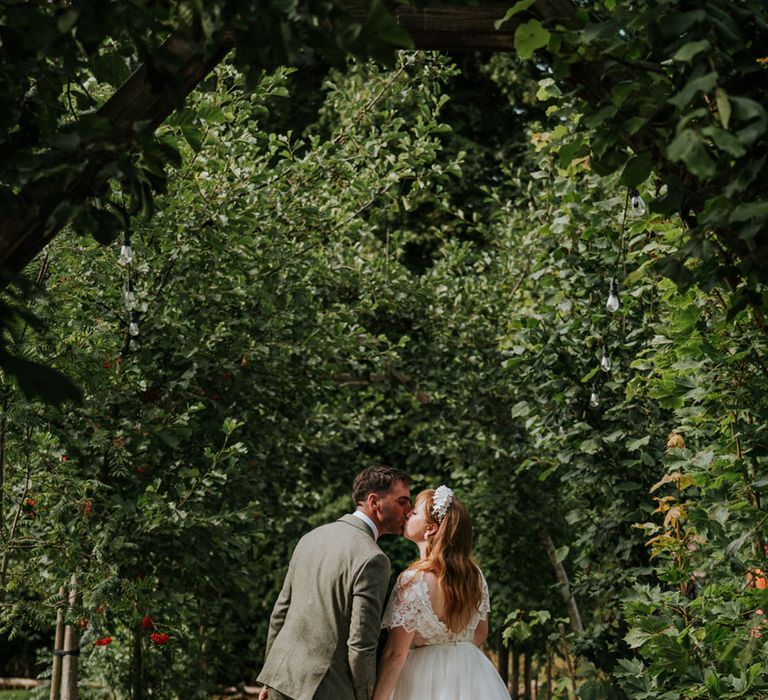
(133, 326)
(126, 252)
(605, 361)
(594, 399)
(636, 203)
(129, 295)
(613, 297)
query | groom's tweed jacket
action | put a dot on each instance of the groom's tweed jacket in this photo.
(325, 624)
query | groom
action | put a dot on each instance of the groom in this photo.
(325, 625)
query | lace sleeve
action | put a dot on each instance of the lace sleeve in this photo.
(485, 601)
(404, 607)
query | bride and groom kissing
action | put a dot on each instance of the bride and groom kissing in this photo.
(324, 629)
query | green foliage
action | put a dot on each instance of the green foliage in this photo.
(410, 268)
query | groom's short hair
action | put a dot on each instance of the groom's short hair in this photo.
(377, 479)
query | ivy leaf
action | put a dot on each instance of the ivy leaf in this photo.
(529, 37)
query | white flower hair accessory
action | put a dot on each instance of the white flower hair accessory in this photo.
(441, 500)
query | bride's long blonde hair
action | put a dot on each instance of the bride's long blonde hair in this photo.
(449, 558)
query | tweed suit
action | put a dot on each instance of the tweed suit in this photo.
(325, 625)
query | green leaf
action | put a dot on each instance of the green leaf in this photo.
(689, 148)
(633, 445)
(637, 170)
(704, 83)
(693, 48)
(749, 210)
(636, 637)
(67, 20)
(38, 381)
(723, 106)
(529, 37)
(561, 553)
(519, 6)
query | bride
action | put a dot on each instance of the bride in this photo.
(438, 612)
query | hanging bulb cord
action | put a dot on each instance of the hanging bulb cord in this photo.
(620, 254)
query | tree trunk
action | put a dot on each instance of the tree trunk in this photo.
(71, 647)
(58, 639)
(562, 579)
(515, 694)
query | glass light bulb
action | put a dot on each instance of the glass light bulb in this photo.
(133, 328)
(126, 253)
(129, 296)
(605, 361)
(594, 399)
(636, 204)
(613, 297)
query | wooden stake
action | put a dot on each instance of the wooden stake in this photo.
(58, 639)
(72, 647)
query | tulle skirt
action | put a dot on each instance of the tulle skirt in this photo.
(449, 672)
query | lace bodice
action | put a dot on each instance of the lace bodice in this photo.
(409, 607)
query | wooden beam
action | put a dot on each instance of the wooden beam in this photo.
(452, 28)
(25, 231)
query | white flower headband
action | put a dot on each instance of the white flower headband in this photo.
(441, 500)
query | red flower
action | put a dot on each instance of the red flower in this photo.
(159, 637)
(106, 364)
(148, 623)
(141, 470)
(64, 458)
(30, 503)
(88, 507)
(82, 623)
(103, 642)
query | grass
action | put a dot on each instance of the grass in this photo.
(15, 694)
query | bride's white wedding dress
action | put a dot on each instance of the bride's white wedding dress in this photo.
(441, 665)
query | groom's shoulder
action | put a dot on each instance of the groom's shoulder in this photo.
(347, 531)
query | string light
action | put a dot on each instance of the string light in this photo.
(605, 361)
(594, 399)
(612, 304)
(129, 294)
(133, 326)
(126, 252)
(637, 205)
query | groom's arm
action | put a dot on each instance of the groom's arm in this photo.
(280, 610)
(368, 593)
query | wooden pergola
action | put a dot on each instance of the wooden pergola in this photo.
(23, 235)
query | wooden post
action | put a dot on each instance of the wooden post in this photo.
(568, 659)
(137, 681)
(72, 647)
(527, 676)
(57, 641)
(515, 690)
(548, 686)
(503, 659)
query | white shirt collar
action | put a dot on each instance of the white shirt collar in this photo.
(368, 522)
